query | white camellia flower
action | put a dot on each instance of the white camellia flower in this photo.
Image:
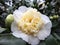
(30, 25)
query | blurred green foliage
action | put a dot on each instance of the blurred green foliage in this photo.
(51, 9)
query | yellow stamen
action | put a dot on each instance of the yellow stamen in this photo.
(31, 22)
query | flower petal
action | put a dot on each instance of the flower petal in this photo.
(45, 31)
(17, 33)
(17, 15)
(47, 22)
(45, 18)
(22, 9)
(43, 34)
(33, 40)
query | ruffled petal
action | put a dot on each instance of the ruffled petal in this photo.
(43, 34)
(17, 15)
(17, 33)
(19, 12)
(33, 40)
(22, 9)
(45, 31)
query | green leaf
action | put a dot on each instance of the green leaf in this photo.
(54, 23)
(59, 43)
(56, 36)
(42, 43)
(8, 39)
(51, 41)
(2, 29)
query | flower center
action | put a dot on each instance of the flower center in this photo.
(31, 22)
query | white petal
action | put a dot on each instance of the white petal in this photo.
(22, 9)
(46, 20)
(33, 40)
(43, 34)
(17, 15)
(17, 33)
(45, 31)
(21, 35)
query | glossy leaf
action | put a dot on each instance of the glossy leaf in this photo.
(42, 43)
(2, 29)
(8, 39)
(51, 41)
(56, 36)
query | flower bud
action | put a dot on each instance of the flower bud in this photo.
(51, 17)
(9, 19)
(55, 17)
